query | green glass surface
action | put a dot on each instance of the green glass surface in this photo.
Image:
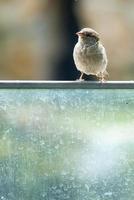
(66, 144)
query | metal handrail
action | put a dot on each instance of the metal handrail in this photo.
(17, 84)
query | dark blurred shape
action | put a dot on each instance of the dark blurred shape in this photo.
(65, 66)
(66, 69)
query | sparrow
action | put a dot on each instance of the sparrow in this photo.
(89, 54)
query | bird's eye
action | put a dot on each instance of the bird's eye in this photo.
(88, 34)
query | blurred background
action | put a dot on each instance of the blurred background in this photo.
(37, 37)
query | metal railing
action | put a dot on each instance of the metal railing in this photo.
(66, 84)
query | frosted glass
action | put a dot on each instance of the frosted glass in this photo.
(66, 144)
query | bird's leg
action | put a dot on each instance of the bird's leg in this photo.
(81, 76)
(106, 74)
(101, 77)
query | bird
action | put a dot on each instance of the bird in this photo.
(90, 55)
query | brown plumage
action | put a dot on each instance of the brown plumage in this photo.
(89, 54)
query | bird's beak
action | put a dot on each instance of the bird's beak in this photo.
(80, 34)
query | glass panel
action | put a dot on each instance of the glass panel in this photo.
(66, 144)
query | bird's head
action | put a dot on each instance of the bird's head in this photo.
(88, 36)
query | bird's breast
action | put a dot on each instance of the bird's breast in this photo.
(89, 60)
(89, 57)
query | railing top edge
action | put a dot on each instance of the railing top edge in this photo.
(17, 84)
